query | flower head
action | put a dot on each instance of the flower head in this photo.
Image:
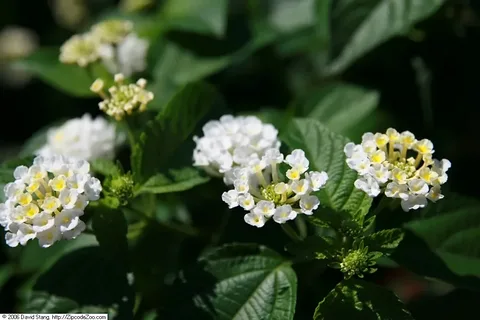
(80, 49)
(82, 138)
(124, 98)
(127, 57)
(266, 193)
(233, 142)
(112, 31)
(387, 163)
(16, 42)
(46, 200)
(114, 41)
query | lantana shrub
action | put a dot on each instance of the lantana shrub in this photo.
(162, 201)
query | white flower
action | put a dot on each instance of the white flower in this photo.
(368, 185)
(384, 163)
(260, 190)
(414, 202)
(395, 190)
(255, 219)
(267, 208)
(47, 199)
(284, 213)
(230, 198)
(82, 138)
(233, 142)
(80, 49)
(308, 204)
(127, 57)
(317, 179)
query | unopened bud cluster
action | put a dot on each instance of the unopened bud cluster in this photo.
(122, 98)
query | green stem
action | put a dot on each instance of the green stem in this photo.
(291, 233)
(138, 302)
(384, 203)
(302, 226)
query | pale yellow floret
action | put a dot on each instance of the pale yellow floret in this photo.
(58, 183)
(381, 140)
(293, 174)
(31, 211)
(97, 86)
(24, 199)
(378, 156)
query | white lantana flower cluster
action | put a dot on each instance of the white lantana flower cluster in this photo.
(233, 142)
(386, 163)
(83, 138)
(46, 200)
(112, 41)
(260, 189)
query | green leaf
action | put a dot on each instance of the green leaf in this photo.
(453, 233)
(288, 16)
(178, 180)
(358, 26)
(177, 66)
(299, 26)
(414, 254)
(110, 228)
(83, 279)
(324, 149)
(172, 126)
(34, 258)
(384, 241)
(105, 167)
(71, 79)
(244, 281)
(357, 299)
(339, 106)
(201, 16)
(6, 271)
(314, 247)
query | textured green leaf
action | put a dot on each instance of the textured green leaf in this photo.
(176, 181)
(358, 26)
(80, 280)
(201, 16)
(244, 281)
(340, 106)
(453, 233)
(172, 126)
(357, 299)
(177, 66)
(314, 247)
(324, 149)
(384, 240)
(71, 79)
